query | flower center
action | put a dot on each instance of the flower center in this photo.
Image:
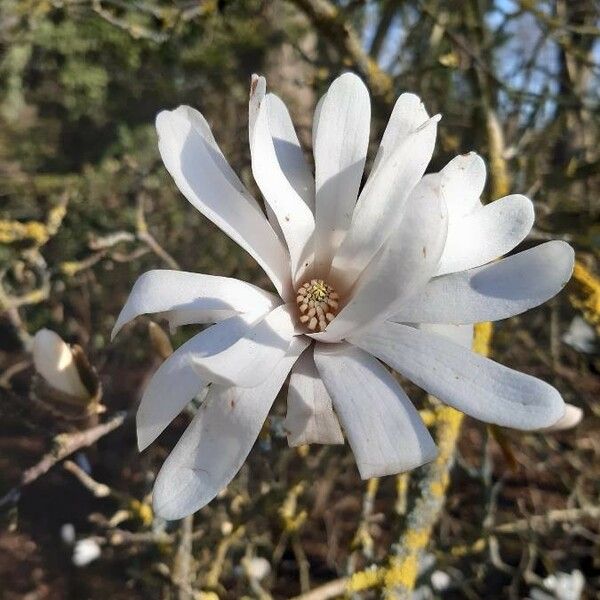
(317, 303)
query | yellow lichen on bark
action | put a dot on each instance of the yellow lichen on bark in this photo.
(586, 295)
(15, 231)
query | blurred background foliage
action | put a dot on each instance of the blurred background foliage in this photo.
(86, 206)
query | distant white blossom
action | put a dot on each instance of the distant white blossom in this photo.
(67, 533)
(581, 336)
(563, 586)
(440, 580)
(85, 552)
(257, 567)
(397, 271)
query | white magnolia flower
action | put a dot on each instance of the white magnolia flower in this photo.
(362, 276)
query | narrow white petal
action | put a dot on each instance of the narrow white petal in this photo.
(310, 418)
(293, 215)
(383, 427)
(382, 202)
(407, 115)
(197, 170)
(252, 358)
(217, 441)
(459, 334)
(571, 418)
(467, 381)
(486, 233)
(405, 263)
(461, 183)
(316, 119)
(53, 360)
(258, 91)
(175, 382)
(495, 291)
(289, 152)
(201, 126)
(340, 150)
(188, 296)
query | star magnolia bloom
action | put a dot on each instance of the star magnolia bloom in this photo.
(362, 276)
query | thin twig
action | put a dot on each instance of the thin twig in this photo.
(182, 567)
(65, 445)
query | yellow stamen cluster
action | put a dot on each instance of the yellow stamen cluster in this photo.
(318, 304)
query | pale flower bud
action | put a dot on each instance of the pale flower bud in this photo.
(54, 361)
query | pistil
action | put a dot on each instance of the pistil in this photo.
(317, 303)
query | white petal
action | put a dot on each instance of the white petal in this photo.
(53, 360)
(467, 381)
(201, 126)
(382, 202)
(186, 297)
(316, 119)
(293, 215)
(250, 360)
(571, 418)
(407, 115)
(289, 152)
(460, 334)
(217, 441)
(258, 90)
(383, 427)
(405, 263)
(197, 170)
(461, 183)
(340, 150)
(486, 233)
(310, 418)
(495, 291)
(175, 382)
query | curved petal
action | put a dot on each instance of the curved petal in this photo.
(486, 233)
(383, 427)
(310, 418)
(407, 115)
(175, 382)
(252, 358)
(405, 263)
(185, 296)
(289, 152)
(201, 126)
(293, 215)
(496, 291)
(382, 203)
(197, 170)
(461, 184)
(340, 150)
(467, 381)
(217, 441)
